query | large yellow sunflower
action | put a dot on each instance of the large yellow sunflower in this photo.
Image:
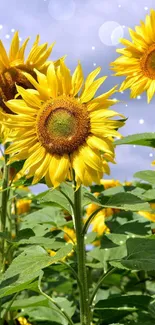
(57, 130)
(13, 64)
(137, 62)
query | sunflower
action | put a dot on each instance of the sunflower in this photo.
(13, 64)
(58, 131)
(137, 62)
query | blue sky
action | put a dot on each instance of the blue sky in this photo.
(89, 31)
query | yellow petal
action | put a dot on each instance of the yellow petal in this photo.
(77, 80)
(104, 114)
(89, 93)
(90, 78)
(14, 48)
(42, 86)
(14, 147)
(34, 158)
(22, 50)
(151, 91)
(29, 98)
(58, 169)
(42, 58)
(42, 170)
(18, 106)
(52, 80)
(91, 158)
(78, 165)
(103, 145)
(66, 78)
(3, 55)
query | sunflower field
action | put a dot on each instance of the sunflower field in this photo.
(83, 251)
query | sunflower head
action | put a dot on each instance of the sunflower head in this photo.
(13, 64)
(137, 61)
(62, 128)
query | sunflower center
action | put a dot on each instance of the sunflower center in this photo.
(148, 62)
(62, 125)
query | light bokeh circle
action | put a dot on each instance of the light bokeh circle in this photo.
(110, 33)
(61, 9)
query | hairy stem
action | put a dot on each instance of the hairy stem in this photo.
(85, 314)
(5, 184)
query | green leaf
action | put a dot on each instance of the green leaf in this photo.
(113, 190)
(125, 201)
(140, 254)
(149, 195)
(27, 266)
(56, 197)
(42, 313)
(36, 240)
(124, 301)
(28, 302)
(47, 215)
(108, 254)
(146, 175)
(141, 139)
(120, 306)
(90, 237)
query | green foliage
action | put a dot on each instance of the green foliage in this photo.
(141, 139)
(124, 259)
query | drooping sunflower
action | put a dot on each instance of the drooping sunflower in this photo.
(58, 131)
(137, 62)
(13, 64)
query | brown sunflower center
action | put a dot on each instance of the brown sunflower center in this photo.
(147, 62)
(8, 81)
(62, 125)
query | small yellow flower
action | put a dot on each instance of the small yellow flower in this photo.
(23, 206)
(60, 130)
(148, 215)
(137, 61)
(69, 235)
(23, 321)
(51, 252)
(98, 223)
(108, 183)
(127, 183)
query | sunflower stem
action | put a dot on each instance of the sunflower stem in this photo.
(85, 313)
(5, 183)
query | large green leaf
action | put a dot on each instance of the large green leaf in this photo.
(27, 266)
(146, 175)
(108, 254)
(124, 300)
(140, 255)
(62, 195)
(44, 314)
(141, 139)
(47, 215)
(124, 201)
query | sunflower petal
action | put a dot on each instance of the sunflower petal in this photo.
(77, 80)
(14, 48)
(89, 93)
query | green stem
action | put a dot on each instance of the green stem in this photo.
(8, 308)
(87, 223)
(60, 309)
(111, 270)
(74, 273)
(85, 313)
(5, 184)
